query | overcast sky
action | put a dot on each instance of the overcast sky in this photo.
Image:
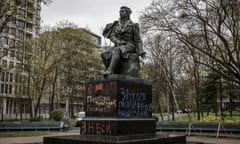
(93, 14)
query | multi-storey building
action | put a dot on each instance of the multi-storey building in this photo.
(14, 100)
(23, 25)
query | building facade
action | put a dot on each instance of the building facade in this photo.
(25, 24)
(14, 99)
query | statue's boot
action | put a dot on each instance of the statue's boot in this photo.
(107, 72)
(114, 61)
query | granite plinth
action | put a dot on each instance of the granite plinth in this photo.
(117, 126)
(118, 96)
(131, 139)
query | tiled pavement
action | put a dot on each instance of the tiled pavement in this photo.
(75, 131)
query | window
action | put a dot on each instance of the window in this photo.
(7, 76)
(4, 62)
(16, 77)
(2, 88)
(19, 49)
(20, 78)
(11, 42)
(16, 89)
(21, 13)
(6, 88)
(5, 40)
(12, 53)
(21, 24)
(28, 35)
(20, 89)
(20, 2)
(10, 89)
(30, 16)
(20, 34)
(3, 76)
(19, 56)
(18, 65)
(11, 64)
(30, 5)
(5, 51)
(13, 20)
(19, 46)
(12, 31)
(11, 77)
(24, 90)
(5, 30)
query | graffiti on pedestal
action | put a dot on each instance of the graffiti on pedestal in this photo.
(100, 99)
(99, 128)
(134, 102)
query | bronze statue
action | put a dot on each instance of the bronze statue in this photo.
(123, 58)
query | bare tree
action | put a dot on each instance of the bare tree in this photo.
(209, 30)
(166, 63)
(6, 11)
(209, 27)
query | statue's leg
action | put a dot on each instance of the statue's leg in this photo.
(114, 61)
(106, 56)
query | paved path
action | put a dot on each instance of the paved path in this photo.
(35, 139)
(209, 140)
(75, 131)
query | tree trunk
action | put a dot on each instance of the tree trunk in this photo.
(29, 95)
(53, 90)
(38, 104)
(71, 108)
(231, 104)
(221, 97)
(196, 83)
(40, 92)
(172, 105)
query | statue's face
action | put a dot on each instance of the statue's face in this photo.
(123, 13)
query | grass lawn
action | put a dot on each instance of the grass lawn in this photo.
(22, 134)
(208, 118)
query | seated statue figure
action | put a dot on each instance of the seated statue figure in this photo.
(123, 58)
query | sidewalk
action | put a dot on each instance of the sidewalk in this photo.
(36, 139)
(75, 131)
(210, 140)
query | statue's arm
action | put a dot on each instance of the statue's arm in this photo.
(109, 33)
(114, 39)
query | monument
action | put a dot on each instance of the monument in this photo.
(119, 102)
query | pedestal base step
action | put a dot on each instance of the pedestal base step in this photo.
(131, 139)
(117, 126)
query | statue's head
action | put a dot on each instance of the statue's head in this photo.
(125, 12)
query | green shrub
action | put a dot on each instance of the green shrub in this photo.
(56, 115)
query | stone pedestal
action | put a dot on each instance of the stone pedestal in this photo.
(118, 105)
(131, 139)
(118, 110)
(119, 96)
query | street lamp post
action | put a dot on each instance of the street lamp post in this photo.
(68, 92)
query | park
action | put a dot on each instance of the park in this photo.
(167, 73)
